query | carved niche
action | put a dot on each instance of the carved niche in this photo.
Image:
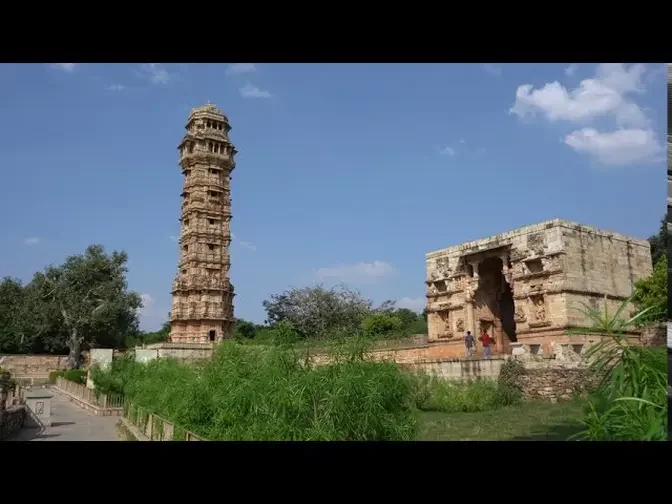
(442, 266)
(519, 315)
(444, 322)
(539, 310)
(459, 325)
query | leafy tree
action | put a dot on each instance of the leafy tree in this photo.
(147, 337)
(651, 294)
(14, 334)
(660, 242)
(378, 325)
(90, 296)
(244, 329)
(318, 312)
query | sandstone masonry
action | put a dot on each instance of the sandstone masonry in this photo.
(524, 286)
(202, 308)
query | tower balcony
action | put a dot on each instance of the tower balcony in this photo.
(222, 209)
(203, 283)
(214, 182)
(202, 257)
(205, 156)
(218, 232)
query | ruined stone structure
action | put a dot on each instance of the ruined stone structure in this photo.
(523, 286)
(202, 309)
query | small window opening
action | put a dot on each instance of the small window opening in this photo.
(212, 334)
(211, 246)
(534, 265)
(211, 221)
(184, 271)
(470, 270)
(185, 248)
(186, 222)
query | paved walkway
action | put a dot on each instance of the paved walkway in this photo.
(71, 423)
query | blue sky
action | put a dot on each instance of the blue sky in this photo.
(345, 173)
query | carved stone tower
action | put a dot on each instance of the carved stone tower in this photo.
(202, 309)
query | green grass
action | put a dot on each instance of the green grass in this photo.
(530, 421)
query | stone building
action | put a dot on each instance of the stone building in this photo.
(202, 308)
(522, 286)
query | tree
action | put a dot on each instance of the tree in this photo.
(660, 242)
(378, 325)
(89, 297)
(14, 336)
(244, 329)
(650, 294)
(318, 312)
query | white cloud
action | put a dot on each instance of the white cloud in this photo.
(240, 68)
(571, 69)
(494, 70)
(66, 67)
(172, 238)
(448, 151)
(32, 241)
(115, 87)
(416, 304)
(361, 272)
(250, 91)
(608, 95)
(618, 147)
(599, 96)
(156, 73)
(147, 305)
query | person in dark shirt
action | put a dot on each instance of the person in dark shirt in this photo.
(486, 340)
(469, 343)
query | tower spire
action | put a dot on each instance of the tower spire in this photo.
(202, 308)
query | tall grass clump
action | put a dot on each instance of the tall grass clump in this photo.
(273, 393)
(630, 400)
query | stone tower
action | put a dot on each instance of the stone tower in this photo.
(202, 308)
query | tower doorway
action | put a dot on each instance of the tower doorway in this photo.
(212, 335)
(494, 302)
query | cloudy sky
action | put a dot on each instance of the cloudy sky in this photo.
(346, 173)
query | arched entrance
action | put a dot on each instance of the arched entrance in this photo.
(494, 305)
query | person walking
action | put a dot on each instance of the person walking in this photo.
(486, 341)
(469, 343)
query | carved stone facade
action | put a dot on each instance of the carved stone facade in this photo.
(202, 309)
(527, 285)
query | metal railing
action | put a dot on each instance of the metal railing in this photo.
(90, 396)
(155, 427)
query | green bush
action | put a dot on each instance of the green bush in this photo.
(631, 403)
(378, 325)
(434, 394)
(256, 393)
(73, 375)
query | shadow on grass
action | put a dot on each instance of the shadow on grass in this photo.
(559, 432)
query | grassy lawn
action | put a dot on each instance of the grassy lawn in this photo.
(528, 422)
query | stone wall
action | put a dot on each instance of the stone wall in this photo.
(654, 336)
(34, 368)
(11, 421)
(554, 384)
(183, 352)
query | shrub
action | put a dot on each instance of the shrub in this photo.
(630, 402)
(434, 394)
(378, 325)
(73, 375)
(257, 393)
